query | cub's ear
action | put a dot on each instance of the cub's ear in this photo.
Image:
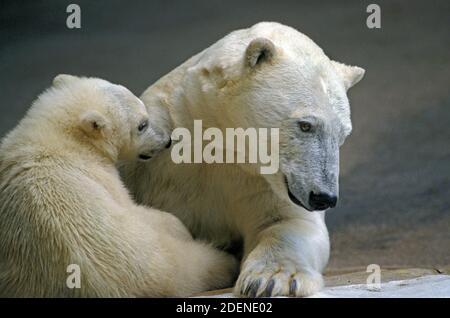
(93, 123)
(63, 79)
(259, 51)
(349, 74)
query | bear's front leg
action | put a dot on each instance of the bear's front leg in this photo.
(285, 259)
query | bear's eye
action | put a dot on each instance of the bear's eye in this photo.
(305, 126)
(143, 126)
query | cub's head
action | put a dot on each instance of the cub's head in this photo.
(271, 75)
(107, 116)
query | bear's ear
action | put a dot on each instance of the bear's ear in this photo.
(63, 79)
(349, 74)
(259, 51)
(93, 123)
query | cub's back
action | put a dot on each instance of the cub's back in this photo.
(52, 215)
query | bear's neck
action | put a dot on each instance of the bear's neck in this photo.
(182, 97)
(185, 103)
(101, 150)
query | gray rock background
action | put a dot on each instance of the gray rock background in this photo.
(395, 180)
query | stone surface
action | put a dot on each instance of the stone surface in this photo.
(432, 286)
(395, 282)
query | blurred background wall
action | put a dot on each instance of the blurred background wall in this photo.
(395, 179)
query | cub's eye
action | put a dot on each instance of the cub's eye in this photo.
(143, 126)
(305, 126)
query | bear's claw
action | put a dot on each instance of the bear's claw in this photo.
(278, 283)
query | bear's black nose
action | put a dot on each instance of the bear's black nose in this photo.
(322, 201)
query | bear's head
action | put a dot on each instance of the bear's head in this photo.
(271, 75)
(106, 116)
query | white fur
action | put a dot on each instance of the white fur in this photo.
(227, 85)
(62, 203)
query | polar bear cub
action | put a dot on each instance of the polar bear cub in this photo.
(63, 206)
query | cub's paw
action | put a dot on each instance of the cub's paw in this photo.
(281, 281)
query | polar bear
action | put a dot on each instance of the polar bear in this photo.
(64, 210)
(269, 75)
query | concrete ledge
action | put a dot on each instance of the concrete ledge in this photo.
(434, 281)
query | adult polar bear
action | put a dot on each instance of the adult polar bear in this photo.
(269, 75)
